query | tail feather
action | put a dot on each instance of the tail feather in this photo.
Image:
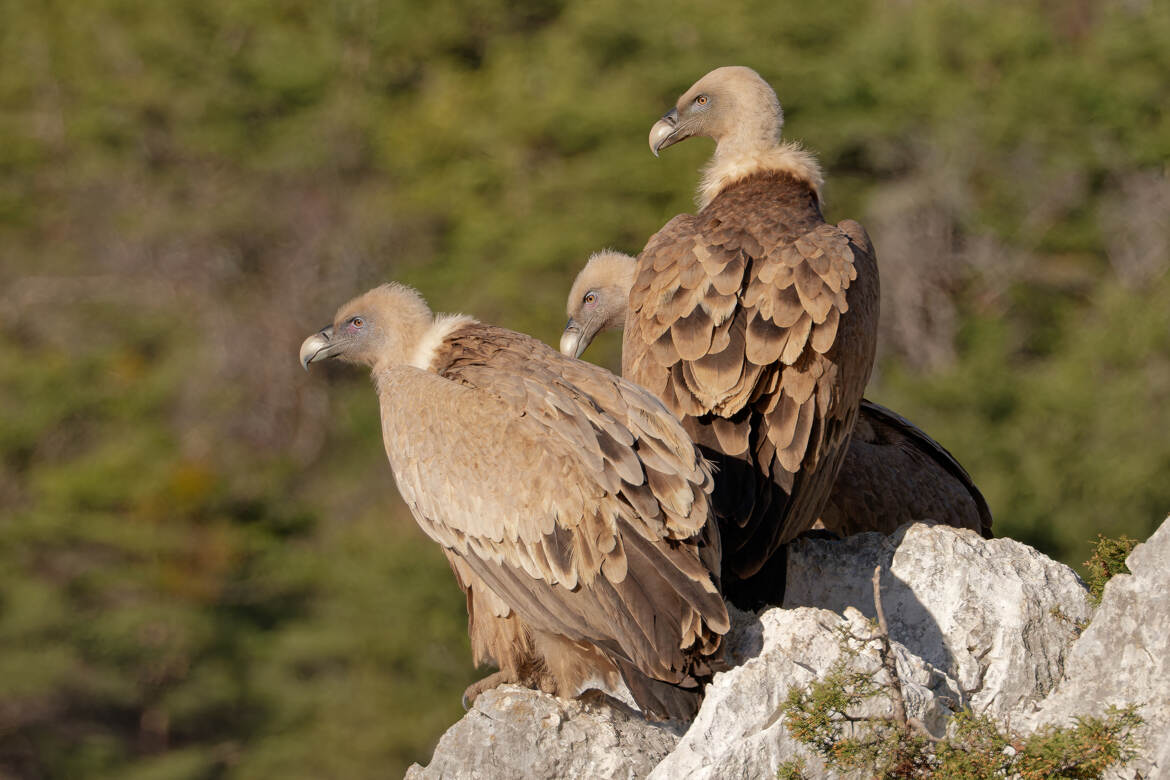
(660, 700)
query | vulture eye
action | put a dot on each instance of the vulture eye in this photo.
(591, 297)
(701, 100)
(358, 322)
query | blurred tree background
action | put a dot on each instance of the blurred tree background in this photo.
(205, 570)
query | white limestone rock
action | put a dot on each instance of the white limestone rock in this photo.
(990, 624)
(514, 732)
(1123, 657)
(997, 615)
(740, 732)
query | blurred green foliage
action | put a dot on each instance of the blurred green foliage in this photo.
(204, 569)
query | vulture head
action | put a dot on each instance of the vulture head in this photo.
(598, 301)
(732, 105)
(381, 327)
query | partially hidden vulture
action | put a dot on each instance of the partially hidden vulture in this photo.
(570, 503)
(755, 321)
(893, 472)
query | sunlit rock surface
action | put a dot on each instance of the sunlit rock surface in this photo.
(989, 624)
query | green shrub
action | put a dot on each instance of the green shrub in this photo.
(827, 717)
(1108, 560)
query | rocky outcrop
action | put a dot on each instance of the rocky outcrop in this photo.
(739, 731)
(989, 624)
(996, 614)
(976, 623)
(513, 732)
(1123, 657)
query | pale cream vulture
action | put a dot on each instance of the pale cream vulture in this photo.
(570, 503)
(755, 321)
(893, 472)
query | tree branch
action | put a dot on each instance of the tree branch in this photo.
(887, 657)
(886, 653)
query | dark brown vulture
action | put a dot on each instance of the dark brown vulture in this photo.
(570, 503)
(893, 472)
(755, 322)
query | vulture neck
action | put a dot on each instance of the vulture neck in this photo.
(432, 339)
(617, 320)
(735, 158)
(428, 340)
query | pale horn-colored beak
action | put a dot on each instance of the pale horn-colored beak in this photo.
(571, 342)
(318, 347)
(664, 132)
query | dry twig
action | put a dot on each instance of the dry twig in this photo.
(890, 664)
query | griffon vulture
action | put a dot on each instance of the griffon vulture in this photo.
(893, 472)
(755, 321)
(570, 503)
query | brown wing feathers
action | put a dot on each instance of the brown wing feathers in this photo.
(577, 514)
(735, 318)
(661, 597)
(898, 474)
(572, 507)
(892, 473)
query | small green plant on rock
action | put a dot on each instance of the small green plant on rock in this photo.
(825, 716)
(1107, 561)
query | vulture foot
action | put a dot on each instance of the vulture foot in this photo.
(821, 533)
(472, 692)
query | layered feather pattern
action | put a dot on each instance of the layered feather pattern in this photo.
(755, 322)
(573, 501)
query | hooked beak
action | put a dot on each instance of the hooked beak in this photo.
(319, 346)
(665, 132)
(571, 342)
